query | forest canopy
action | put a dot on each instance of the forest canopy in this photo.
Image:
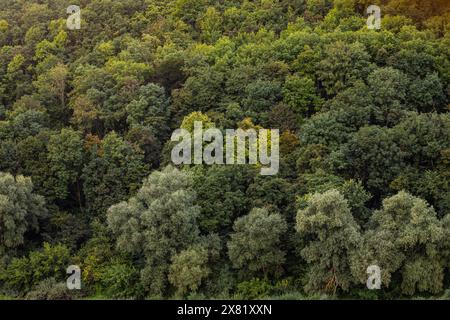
(86, 176)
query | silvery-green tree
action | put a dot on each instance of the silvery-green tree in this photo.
(406, 240)
(330, 235)
(255, 244)
(446, 244)
(20, 209)
(157, 224)
(189, 268)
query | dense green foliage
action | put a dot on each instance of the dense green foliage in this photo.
(86, 177)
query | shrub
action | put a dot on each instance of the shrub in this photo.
(121, 280)
(254, 289)
(50, 289)
(22, 274)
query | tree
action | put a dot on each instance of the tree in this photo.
(211, 25)
(32, 152)
(221, 195)
(65, 158)
(446, 244)
(331, 235)
(144, 139)
(52, 88)
(16, 77)
(88, 114)
(189, 10)
(283, 118)
(100, 94)
(20, 210)
(151, 109)
(190, 119)
(357, 197)
(254, 245)
(373, 156)
(418, 10)
(188, 269)
(388, 88)
(414, 59)
(425, 139)
(114, 170)
(274, 193)
(4, 26)
(427, 94)
(317, 9)
(121, 279)
(300, 94)
(26, 119)
(353, 107)
(157, 224)
(407, 239)
(325, 129)
(202, 91)
(24, 273)
(342, 65)
(260, 95)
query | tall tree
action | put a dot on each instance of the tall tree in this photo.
(254, 245)
(407, 239)
(156, 224)
(20, 210)
(331, 235)
(114, 170)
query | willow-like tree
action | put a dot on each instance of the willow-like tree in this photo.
(331, 234)
(20, 209)
(407, 241)
(188, 269)
(255, 243)
(157, 224)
